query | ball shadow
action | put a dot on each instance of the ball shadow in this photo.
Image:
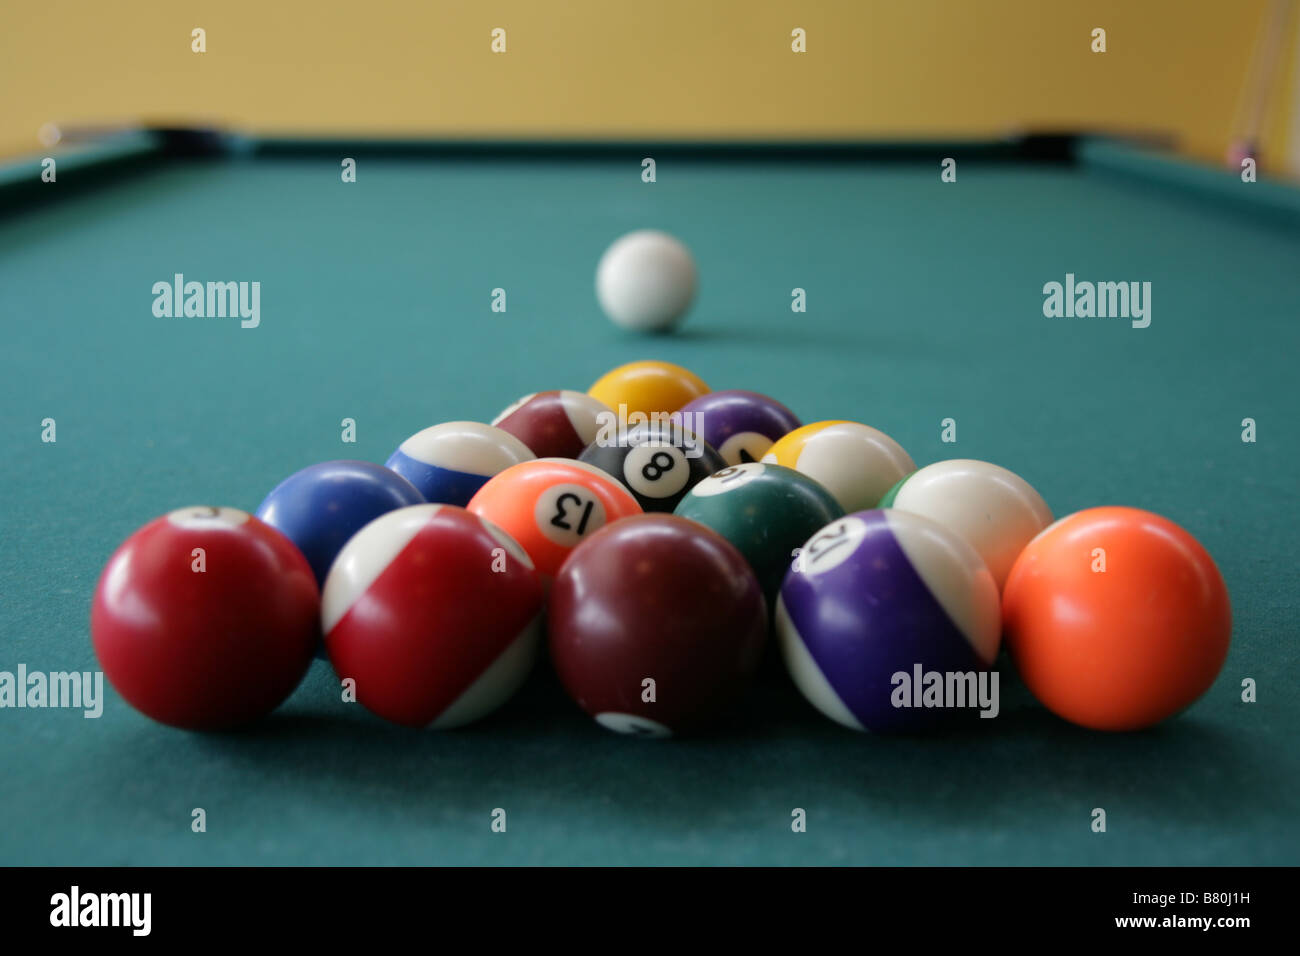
(541, 756)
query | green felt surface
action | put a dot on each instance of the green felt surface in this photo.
(924, 303)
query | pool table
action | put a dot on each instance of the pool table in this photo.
(925, 302)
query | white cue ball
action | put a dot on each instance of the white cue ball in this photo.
(646, 281)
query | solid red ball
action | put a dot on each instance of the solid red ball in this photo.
(206, 618)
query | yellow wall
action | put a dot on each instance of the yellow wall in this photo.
(618, 68)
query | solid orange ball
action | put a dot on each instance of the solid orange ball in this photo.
(1116, 618)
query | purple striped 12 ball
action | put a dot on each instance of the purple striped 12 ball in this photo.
(879, 594)
(741, 425)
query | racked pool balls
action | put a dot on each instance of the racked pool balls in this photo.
(448, 463)
(435, 613)
(766, 511)
(557, 424)
(994, 509)
(551, 505)
(647, 388)
(877, 602)
(741, 425)
(856, 463)
(1116, 618)
(205, 618)
(322, 506)
(658, 463)
(656, 625)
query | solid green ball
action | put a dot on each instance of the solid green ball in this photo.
(766, 511)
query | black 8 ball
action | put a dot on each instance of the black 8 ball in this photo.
(657, 463)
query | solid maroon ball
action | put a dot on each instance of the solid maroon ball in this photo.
(656, 625)
(206, 618)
